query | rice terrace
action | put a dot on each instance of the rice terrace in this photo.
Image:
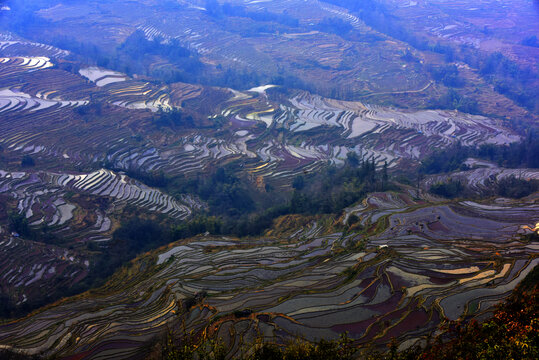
(284, 179)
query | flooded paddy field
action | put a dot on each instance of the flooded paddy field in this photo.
(54, 116)
(426, 263)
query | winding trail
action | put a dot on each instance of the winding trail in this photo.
(400, 92)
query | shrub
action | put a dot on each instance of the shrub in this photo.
(27, 161)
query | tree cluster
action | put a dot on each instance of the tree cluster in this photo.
(514, 155)
(447, 75)
(513, 187)
(453, 100)
(450, 189)
(338, 187)
(334, 25)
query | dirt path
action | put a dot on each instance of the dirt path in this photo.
(400, 92)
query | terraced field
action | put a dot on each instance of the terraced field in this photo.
(100, 77)
(11, 47)
(397, 264)
(265, 53)
(37, 116)
(385, 134)
(33, 271)
(73, 210)
(425, 263)
(480, 179)
(43, 193)
(463, 22)
(269, 51)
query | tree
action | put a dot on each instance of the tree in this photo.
(531, 41)
(385, 176)
(352, 159)
(298, 183)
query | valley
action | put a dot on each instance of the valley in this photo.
(262, 172)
